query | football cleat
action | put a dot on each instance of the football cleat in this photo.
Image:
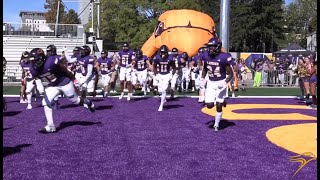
(216, 128)
(47, 130)
(129, 97)
(89, 105)
(29, 106)
(121, 96)
(160, 108)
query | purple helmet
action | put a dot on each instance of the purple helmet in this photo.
(214, 46)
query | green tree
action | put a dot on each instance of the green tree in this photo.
(301, 18)
(51, 6)
(256, 25)
(71, 18)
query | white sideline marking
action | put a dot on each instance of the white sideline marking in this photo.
(181, 96)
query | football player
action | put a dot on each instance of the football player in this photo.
(176, 78)
(163, 67)
(125, 55)
(87, 80)
(23, 94)
(217, 66)
(4, 70)
(140, 64)
(105, 67)
(58, 79)
(29, 80)
(185, 71)
(196, 68)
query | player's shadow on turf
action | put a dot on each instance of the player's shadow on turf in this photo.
(11, 113)
(222, 125)
(140, 99)
(13, 101)
(97, 100)
(69, 106)
(172, 106)
(7, 128)
(12, 150)
(75, 123)
(103, 107)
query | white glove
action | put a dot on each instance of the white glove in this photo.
(222, 84)
(128, 66)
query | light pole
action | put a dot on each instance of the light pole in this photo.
(224, 23)
(57, 19)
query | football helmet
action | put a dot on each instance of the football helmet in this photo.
(164, 51)
(125, 46)
(185, 55)
(37, 57)
(174, 51)
(139, 54)
(87, 50)
(51, 50)
(214, 46)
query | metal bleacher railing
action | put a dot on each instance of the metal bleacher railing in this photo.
(19, 37)
(44, 29)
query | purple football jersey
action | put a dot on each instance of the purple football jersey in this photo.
(125, 57)
(50, 72)
(141, 64)
(217, 66)
(84, 62)
(163, 65)
(26, 71)
(176, 59)
(196, 60)
(105, 65)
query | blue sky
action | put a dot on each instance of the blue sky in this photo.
(11, 8)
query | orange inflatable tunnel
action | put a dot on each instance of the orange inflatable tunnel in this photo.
(187, 30)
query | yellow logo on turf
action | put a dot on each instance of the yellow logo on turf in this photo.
(302, 160)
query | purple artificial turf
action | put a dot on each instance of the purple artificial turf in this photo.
(131, 140)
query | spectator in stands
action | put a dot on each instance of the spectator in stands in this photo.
(243, 70)
(309, 73)
(292, 73)
(265, 69)
(302, 72)
(280, 67)
(239, 66)
(258, 75)
(253, 67)
(313, 84)
(271, 73)
(286, 73)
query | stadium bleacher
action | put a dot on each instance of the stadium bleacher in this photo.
(13, 46)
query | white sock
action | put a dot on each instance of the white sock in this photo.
(29, 96)
(163, 97)
(218, 119)
(49, 115)
(187, 85)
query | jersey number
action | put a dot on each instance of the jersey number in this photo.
(140, 65)
(124, 60)
(49, 78)
(215, 72)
